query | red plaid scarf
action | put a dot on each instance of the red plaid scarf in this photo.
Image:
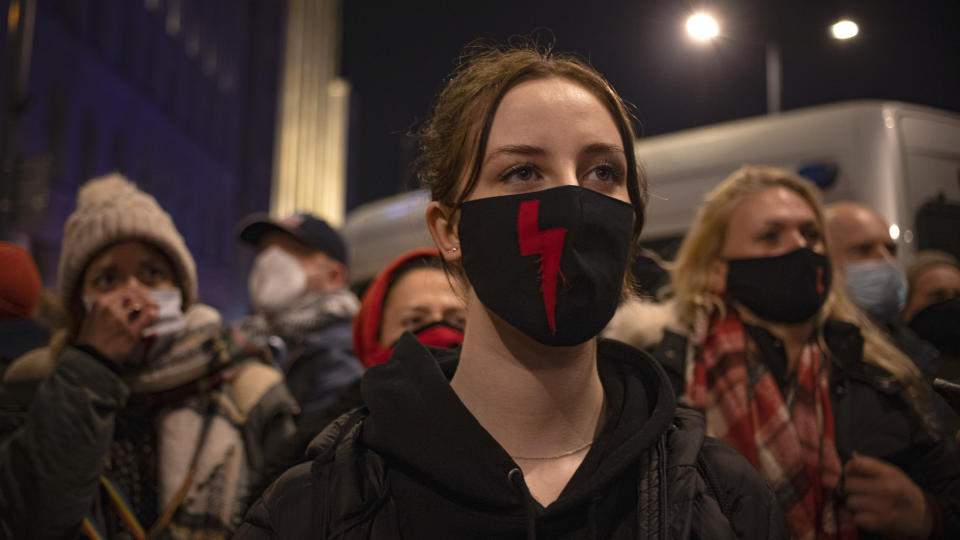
(788, 435)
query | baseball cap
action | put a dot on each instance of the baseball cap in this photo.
(312, 231)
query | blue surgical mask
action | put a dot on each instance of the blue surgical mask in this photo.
(877, 286)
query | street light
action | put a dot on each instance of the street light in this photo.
(844, 29)
(702, 27)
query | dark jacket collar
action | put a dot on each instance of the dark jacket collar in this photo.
(844, 342)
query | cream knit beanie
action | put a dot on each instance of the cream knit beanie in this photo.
(111, 209)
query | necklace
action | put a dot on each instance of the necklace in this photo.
(558, 456)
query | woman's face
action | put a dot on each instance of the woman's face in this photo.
(548, 133)
(420, 297)
(770, 223)
(936, 284)
(127, 262)
(773, 222)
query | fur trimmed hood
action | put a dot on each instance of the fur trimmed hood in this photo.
(640, 323)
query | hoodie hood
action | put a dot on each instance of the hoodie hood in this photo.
(369, 319)
(417, 421)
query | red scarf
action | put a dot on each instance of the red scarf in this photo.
(788, 435)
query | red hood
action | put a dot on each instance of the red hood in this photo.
(366, 325)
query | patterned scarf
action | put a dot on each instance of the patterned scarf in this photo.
(193, 352)
(788, 435)
(309, 313)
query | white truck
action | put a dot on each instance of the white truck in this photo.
(902, 159)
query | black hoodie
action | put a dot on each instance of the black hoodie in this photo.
(416, 464)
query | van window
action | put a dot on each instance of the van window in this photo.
(937, 224)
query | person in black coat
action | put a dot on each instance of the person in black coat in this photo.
(933, 307)
(536, 429)
(20, 289)
(874, 277)
(761, 337)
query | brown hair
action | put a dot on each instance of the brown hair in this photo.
(454, 139)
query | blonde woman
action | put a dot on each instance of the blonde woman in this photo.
(790, 373)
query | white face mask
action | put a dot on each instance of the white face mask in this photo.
(159, 336)
(276, 280)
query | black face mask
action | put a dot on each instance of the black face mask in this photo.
(940, 325)
(550, 263)
(789, 288)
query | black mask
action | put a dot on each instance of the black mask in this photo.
(940, 325)
(550, 263)
(789, 288)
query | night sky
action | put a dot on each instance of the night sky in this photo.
(397, 53)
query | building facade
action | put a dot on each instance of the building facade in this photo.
(179, 95)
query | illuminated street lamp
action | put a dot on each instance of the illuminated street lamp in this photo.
(844, 29)
(704, 27)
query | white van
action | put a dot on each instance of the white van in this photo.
(902, 159)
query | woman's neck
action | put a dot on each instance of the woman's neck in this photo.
(535, 400)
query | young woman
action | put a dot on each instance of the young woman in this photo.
(412, 294)
(149, 420)
(786, 370)
(536, 429)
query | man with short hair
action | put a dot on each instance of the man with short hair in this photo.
(861, 244)
(298, 289)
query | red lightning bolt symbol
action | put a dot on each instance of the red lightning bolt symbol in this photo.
(549, 245)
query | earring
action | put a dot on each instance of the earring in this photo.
(454, 249)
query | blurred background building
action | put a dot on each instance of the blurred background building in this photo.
(192, 99)
(220, 108)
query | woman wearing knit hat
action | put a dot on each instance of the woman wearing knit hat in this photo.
(150, 420)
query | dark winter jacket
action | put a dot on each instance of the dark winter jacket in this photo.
(320, 368)
(923, 354)
(17, 337)
(320, 364)
(312, 342)
(57, 434)
(870, 416)
(416, 464)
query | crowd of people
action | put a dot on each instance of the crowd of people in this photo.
(506, 383)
